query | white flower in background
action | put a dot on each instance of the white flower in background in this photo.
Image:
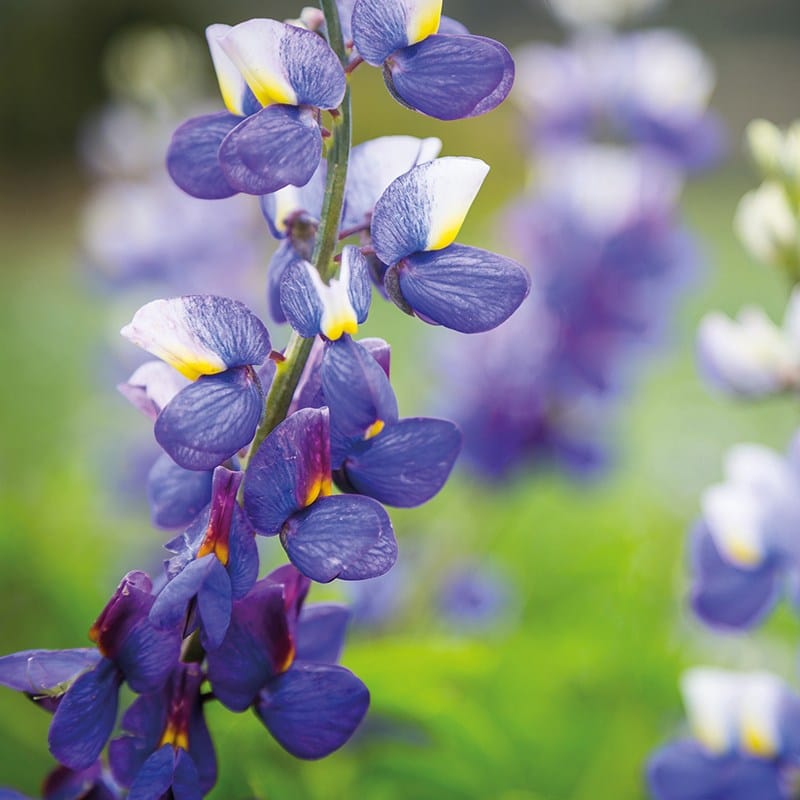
(750, 355)
(776, 152)
(768, 226)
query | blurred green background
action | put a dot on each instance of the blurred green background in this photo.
(564, 701)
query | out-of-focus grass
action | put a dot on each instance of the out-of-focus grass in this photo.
(564, 704)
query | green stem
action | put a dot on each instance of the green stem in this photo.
(298, 349)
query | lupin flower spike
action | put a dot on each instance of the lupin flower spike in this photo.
(274, 79)
(414, 226)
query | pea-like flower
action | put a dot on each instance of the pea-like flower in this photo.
(751, 356)
(746, 733)
(414, 226)
(215, 343)
(287, 491)
(446, 76)
(278, 658)
(744, 548)
(216, 562)
(400, 462)
(165, 743)
(133, 651)
(331, 309)
(274, 80)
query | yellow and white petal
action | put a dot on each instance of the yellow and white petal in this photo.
(760, 702)
(735, 520)
(255, 48)
(423, 18)
(710, 697)
(164, 328)
(425, 208)
(232, 85)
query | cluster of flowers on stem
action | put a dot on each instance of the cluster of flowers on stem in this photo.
(255, 441)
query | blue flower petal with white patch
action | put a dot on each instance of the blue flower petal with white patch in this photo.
(313, 307)
(193, 156)
(380, 27)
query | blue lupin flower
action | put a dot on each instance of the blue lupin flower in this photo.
(287, 491)
(133, 651)
(746, 732)
(399, 462)
(444, 75)
(279, 658)
(216, 343)
(216, 563)
(414, 226)
(274, 79)
(744, 547)
(165, 744)
(313, 307)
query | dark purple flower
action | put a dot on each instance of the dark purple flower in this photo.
(134, 652)
(277, 657)
(287, 491)
(216, 563)
(165, 743)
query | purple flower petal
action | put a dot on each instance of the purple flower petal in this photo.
(164, 770)
(256, 647)
(85, 717)
(151, 387)
(320, 633)
(358, 394)
(382, 26)
(451, 77)
(725, 596)
(193, 160)
(279, 145)
(186, 783)
(45, 672)
(243, 561)
(462, 288)
(406, 464)
(313, 307)
(452, 27)
(143, 725)
(289, 471)
(205, 579)
(346, 536)
(281, 259)
(66, 784)
(176, 495)
(211, 419)
(313, 709)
